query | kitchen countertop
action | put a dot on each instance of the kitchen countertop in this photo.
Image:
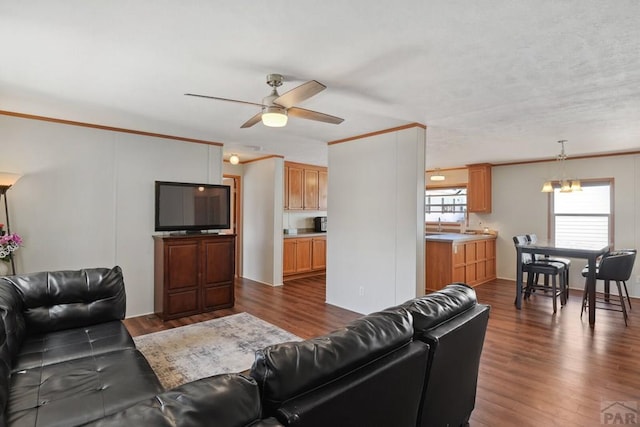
(457, 237)
(306, 234)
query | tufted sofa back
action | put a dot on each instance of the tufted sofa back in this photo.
(52, 301)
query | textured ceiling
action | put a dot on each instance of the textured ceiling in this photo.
(494, 81)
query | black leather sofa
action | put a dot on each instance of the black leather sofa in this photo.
(66, 359)
(414, 364)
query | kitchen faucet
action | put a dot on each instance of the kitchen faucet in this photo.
(439, 225)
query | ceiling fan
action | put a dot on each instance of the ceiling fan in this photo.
(276, 108)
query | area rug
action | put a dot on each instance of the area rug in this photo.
(191, 352)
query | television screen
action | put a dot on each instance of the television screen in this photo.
(192, 207)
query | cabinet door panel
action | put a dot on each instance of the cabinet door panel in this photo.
(323, 184)
(470, 253)
(481, 250)
(217, 297)
(479, 189)
(295, 188)
(319, 254)
(303, 255)
(219, 261)
(182, 303)
(310, 189)
(458, 254)
(471, 275)
(289, 256)
(459, 274)
(182, 265)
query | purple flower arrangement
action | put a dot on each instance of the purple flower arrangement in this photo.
(9, 243)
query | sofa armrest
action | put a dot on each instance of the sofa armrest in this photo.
(454, 360)
(59, 300)
(221, 400)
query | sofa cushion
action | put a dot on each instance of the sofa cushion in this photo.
(432, 309)
(68, 344)
(14, 324)
(81, 390)
(288, 369)
(68, 299)
(222, 400)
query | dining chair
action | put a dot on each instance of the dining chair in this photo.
(614, 266)
(534, 268)
(533, 238)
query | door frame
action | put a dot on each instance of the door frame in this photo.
(237, 220)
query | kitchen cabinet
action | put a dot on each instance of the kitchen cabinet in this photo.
(294, 190)
(467, 260)
(305, 187)
(323, 183)
(304, 256)
(479, 188)
(310, 191)
(319, 253)
(193, 274)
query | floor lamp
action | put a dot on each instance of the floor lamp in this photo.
(6, 181)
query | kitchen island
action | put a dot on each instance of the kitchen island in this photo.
(456, 257)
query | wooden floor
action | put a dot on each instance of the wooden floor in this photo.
(537, 369)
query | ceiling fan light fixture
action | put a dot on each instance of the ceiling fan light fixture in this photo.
(275, 117)
(234, 159)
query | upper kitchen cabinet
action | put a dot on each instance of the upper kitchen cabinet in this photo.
(305, 187)
(323, 177)
(479, 188)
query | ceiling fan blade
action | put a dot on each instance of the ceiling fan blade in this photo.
(252, 121)
(224, 99)
(299, 94)
(314, 115)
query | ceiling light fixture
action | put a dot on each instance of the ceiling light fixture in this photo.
(234, 159)
(567, 185)
(275, 117)
(437, 175)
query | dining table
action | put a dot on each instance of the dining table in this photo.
(586, 250)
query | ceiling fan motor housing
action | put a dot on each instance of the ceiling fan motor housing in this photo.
(275, 80)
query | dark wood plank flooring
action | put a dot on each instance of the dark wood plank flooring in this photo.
(537, 369)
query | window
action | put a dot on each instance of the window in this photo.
(445, 204)
(583, 216)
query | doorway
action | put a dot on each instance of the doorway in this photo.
(234, 181)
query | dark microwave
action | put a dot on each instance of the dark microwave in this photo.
(320, 223)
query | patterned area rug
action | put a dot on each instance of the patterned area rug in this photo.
(227, 344)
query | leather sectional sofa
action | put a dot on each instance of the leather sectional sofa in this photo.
(66, 359)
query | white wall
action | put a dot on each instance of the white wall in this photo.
(520, 208)
(262, 220)
(86, 198)
(375, 242)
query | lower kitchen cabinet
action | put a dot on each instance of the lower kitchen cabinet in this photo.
(304, 256)
(468, 261)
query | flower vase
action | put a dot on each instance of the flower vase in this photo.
(5, 268)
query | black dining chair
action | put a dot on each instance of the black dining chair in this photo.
(549, 269)
(613, 266)
(533, 238)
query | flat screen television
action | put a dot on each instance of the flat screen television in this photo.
(192, 207)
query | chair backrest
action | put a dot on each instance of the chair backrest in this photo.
(523, 240)
(617, 265)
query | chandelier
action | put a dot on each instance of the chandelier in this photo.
(567, 185)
